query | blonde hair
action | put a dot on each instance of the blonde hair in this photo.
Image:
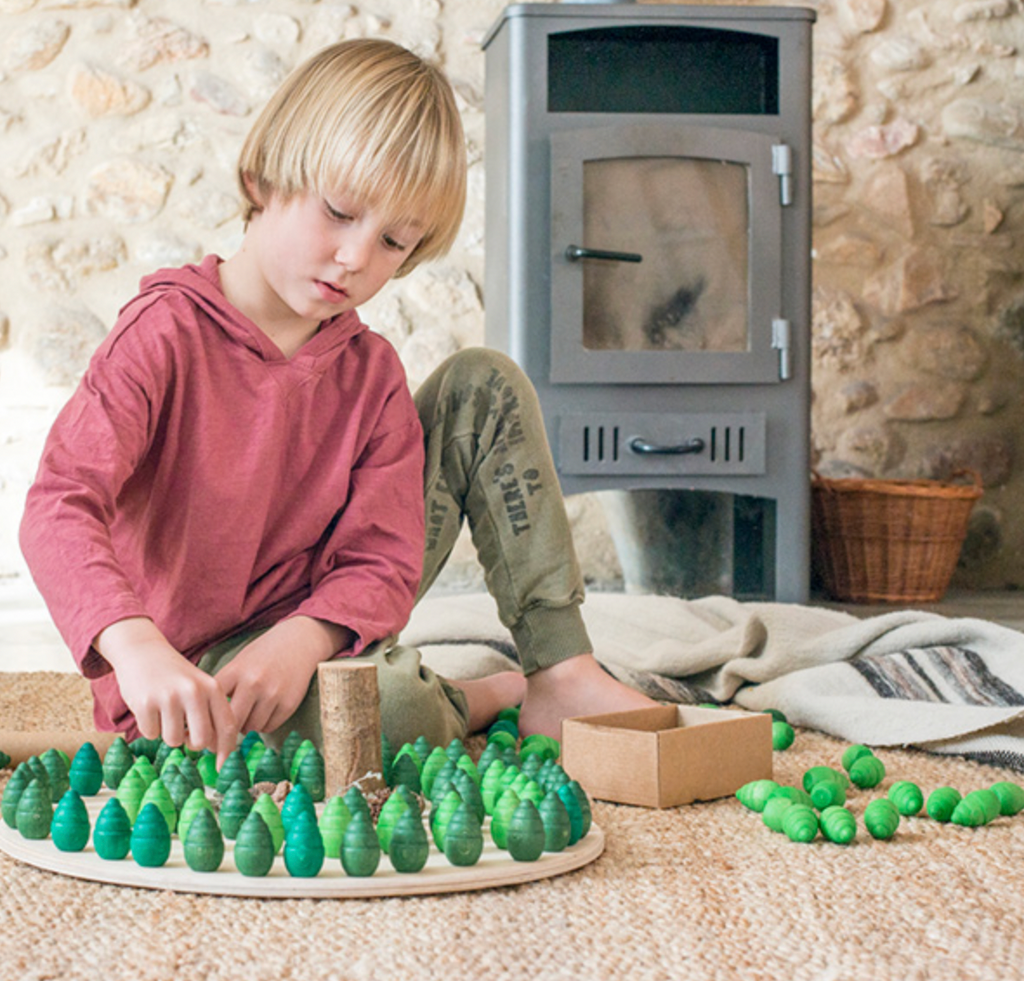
(370, 118)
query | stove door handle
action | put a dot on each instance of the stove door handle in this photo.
(576, 252)
(639, 445)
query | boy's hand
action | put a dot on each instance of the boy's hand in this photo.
(270, 676)
(168, 695)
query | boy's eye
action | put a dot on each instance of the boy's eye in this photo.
(335, 213)
(394, 244)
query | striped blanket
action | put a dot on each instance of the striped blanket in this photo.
(905, 678)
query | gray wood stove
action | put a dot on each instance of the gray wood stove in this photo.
(648, 261)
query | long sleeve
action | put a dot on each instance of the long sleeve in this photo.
(200, 478)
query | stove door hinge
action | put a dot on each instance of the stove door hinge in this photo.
(780, 343)
(782, 166)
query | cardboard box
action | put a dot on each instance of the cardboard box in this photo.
(667, 755)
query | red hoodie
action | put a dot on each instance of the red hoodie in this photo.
(199, 477)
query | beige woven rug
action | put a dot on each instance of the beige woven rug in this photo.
(698, 892)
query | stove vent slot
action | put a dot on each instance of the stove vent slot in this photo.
(600, 444)
(698, 443)
(727, 444)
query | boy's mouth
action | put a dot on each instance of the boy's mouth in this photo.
(331, 292)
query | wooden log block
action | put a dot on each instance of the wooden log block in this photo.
(19, 746)
(350, 722)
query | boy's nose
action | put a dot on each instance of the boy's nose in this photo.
(353, 251)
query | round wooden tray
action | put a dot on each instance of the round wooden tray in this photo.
(495, 868)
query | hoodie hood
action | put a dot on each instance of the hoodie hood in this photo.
(201, 284)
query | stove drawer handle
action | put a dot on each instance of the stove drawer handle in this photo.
(639, 445)
(576, 252)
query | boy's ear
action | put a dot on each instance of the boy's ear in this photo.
(252, 188)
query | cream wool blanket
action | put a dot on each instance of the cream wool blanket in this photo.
(905, 678)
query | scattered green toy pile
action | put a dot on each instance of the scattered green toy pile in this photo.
(819, 806)
(160, 791)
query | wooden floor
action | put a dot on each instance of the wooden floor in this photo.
(30, 642)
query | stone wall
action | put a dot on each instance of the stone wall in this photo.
(120, 121)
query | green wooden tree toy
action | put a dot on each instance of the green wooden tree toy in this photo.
(5, 760)
(234, 768)
(881, 817)
(443, 782)
(574, 811)
(774, 811)
(291, 743)
(442, 814)
(189, 771)
(555, 818)
(297, 801)
(163, 750)
(433, 763)
(39, 772)
(394, 807)
(867, 771)
(508, 803)
(409, 846)
(585, 809)
(754, 795)
(469, 791)
(838, 824)
(252, 757)
(304, 851)
(254, 847)
(195, 802)
(310, 774)
(301, 750)
(157, 793)
(177, 786)
(71, 825)
(454, 750)
(251, 741)
(16, 785)
(206, 766)
(86, 773)
(174, 758)
(334, 819)
(463, 837)
(490, 785)
(234, 809)
(942, 802)
(360, 849)
(270, 768)
(406, 769)
(907, 797)
(525, 833)
(800, 823)
(117, 761)
(151, 837)
(35, 811)
(268, 810)
(203, 844)
(141, 771)
(112, 834)
(1011, 797)
(57, 770)
(356, 802)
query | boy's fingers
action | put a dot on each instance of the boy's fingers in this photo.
(172, 726)
(225, 729)
(148, 722)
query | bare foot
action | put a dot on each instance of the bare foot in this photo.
(487, 696)
(579, 686)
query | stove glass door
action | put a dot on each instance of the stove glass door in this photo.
(666, 256)
(685, 222)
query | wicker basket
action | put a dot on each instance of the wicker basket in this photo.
(889, 541)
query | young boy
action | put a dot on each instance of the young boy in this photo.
(236, 490)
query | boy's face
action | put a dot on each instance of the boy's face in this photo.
(324, 256)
